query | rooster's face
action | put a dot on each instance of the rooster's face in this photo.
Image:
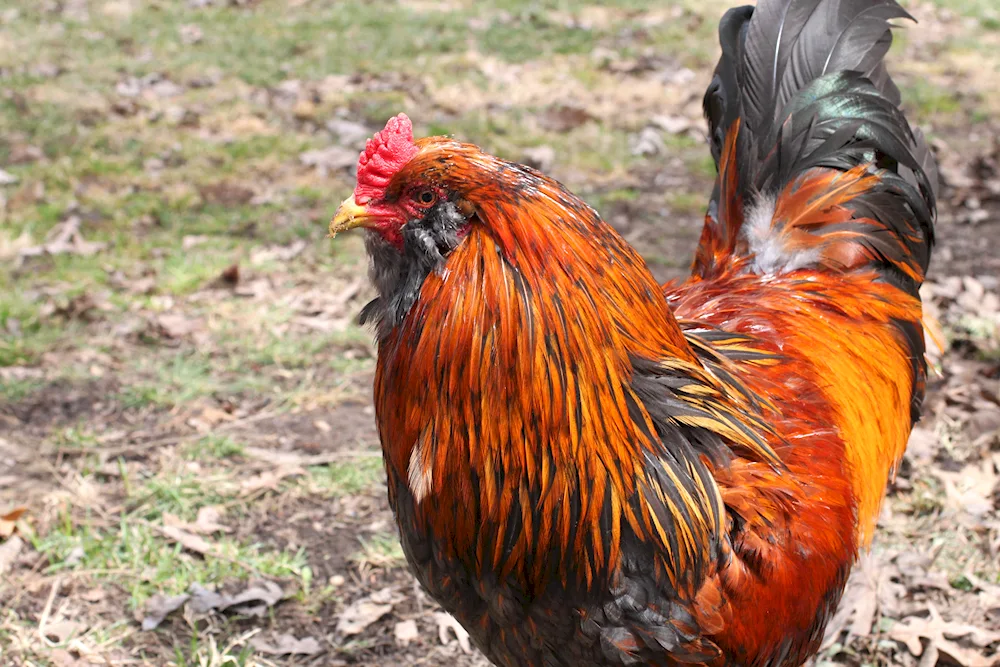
(412, 201)
(390, 213)
(399, 196)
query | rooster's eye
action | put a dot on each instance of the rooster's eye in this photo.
(426, 197)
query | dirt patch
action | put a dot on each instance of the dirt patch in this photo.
(59, 403)
(202, 352)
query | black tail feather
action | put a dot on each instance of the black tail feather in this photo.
(804, 86)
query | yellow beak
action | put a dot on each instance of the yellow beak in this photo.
(348, 216)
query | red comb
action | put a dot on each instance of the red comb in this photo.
(384, 155)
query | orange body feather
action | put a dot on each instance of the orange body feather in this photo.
(507, 386)
(590, 469)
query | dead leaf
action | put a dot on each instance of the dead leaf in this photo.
(673, 124)
(94, 595)
(253, 601)
(7, 178)
(329, 160)
(446, 622)
(61, 631)
(541, 158)
(206, 523)
(922, 446)
(189, 241)
(85, 306)
(143, 286)
(405, 632)
(226, 193)
(209, 418)
(984, 421)
(21, 153)
(942, 636)
(64, 238)
(269, 479)
(971, 489)
(9, 551)
(563, 118)
(647, 142)
(856, 612)
(176, 326)
(74, 556)
(158, 607)
(362, 613)
(230, 275)
(187, 540)
(286, 644)
(63, 658)
(12, 247)
(277, 253)
(8, 521)
(190, 33)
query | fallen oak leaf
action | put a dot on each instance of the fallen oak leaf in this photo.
(942, 636)
(175, 326)
(158, 607)
(269, 479)
(294, 459)
(209, 418)
(859, 603)
(94, 595)
(253, 601)
(357, 616)
(63, 658)
(285, 644)
(189, 541)
(9, 551)
(970, 490)
(8, 521)
(206, 523)
(62, 631)
(65, 238)
(14, 514)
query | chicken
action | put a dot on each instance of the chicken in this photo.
(588, 468)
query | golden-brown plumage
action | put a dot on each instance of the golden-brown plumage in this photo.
(590, 469)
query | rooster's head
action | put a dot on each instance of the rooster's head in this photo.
(405, 185)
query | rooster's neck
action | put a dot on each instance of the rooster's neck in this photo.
(504, 395)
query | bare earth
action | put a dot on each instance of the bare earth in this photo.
(185, 397)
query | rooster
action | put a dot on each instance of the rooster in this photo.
(588, 468)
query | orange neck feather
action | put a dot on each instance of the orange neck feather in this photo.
(503, 389)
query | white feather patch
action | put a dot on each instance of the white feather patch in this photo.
(766, 243)
(419, 477)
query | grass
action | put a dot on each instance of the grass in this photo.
(16, 390)
(215, 447)
(379, 550)
(985, 12)
(183, 158)
(930, 100)
(344, 478)
(133, 552)
(138, 558)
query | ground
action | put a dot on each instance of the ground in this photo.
(185, 395)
